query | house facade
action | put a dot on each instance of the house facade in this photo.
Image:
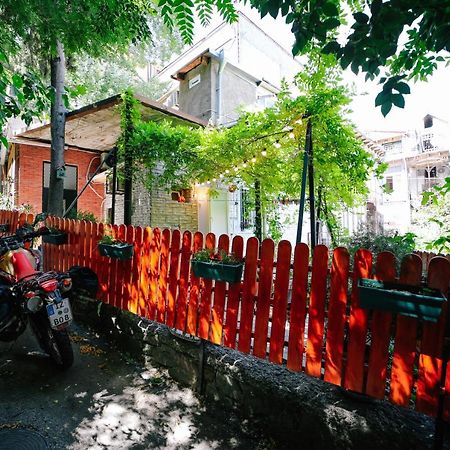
(417, 160)
(91, 132)
(27, 170)
(236, 66)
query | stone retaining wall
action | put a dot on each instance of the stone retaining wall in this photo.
(298, 411)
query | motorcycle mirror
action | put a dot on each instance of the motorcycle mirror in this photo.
(44, 230)
(40, 218)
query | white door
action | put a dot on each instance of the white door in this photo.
(218, 211)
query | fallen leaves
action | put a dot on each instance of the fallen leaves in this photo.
(88, 349)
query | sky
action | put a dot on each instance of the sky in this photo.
(431, 97)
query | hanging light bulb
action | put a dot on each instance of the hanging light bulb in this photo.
(276, 144)
(208, 182)
(236, 169)
(244, 165)
(221, 175)
(264, 153)
(253, 160)
(291, 135)
(214, 179)
(227, 171)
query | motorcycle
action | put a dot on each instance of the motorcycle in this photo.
(30, 295)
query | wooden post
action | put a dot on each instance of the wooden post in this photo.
(258, 212)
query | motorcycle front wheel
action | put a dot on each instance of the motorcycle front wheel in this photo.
(55, 343)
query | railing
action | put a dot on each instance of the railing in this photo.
(289, 311)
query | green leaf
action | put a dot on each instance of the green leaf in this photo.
(331, 23)
(330, 9)
(17, 81)
(361, 17)
(403, 88)
(274, 7)
(381, 98)
(385, 108)
(3, 140)
(331, 47)
(398, 100)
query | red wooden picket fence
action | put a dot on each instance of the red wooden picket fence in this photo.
(297, 311)
(427, 257)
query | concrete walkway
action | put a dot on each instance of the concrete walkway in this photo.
(108, 401)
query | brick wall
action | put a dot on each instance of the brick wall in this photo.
(168, 213)
(157, 209)
(29, 177)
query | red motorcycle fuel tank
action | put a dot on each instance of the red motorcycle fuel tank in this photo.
(20, 263)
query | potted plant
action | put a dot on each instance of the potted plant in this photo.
(4, 227)
(414, 301)
(114, 248)
(55, 237)
(217, 265)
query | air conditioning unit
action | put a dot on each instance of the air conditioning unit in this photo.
(441, 170)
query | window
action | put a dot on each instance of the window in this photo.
(120, 185)
(389, 185)
(70, 186)
(182, 196)
(430, 173)
(247, 211)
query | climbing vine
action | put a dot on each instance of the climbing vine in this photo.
(265, 149)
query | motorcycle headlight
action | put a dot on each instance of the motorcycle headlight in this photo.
(34, 304)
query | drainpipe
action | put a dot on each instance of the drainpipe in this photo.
(222, 63)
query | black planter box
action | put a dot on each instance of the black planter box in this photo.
(117, 251)
(217, 271)
(55, 238)
(4, 227)
(413, 301)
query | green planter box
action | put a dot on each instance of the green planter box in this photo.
(219, 272)
(413, 301)
(55, 238)
(117, 251)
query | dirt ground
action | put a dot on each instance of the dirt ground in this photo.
(109, 401)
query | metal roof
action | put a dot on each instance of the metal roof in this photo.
(96, 127)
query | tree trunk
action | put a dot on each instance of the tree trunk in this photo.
(58, 125)
(128, 163)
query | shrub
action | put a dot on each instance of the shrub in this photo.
(390, 241)
(82, 215)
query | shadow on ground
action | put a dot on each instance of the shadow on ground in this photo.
(108, 401)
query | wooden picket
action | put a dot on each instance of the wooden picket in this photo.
(217, 311)
(280, 301)
(354, 373)
(248, 295)
(272, 311)
(298, 307)
(264, 298)
(193, 307)
(337, 315)
(317, 311)
(234, 289)
(204, 314)
(430, 364)
(173, 277)
(380, 328)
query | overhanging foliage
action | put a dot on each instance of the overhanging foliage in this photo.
(266, 147)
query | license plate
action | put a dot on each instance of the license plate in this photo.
(59, 313)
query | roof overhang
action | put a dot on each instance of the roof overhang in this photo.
(96, 127)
